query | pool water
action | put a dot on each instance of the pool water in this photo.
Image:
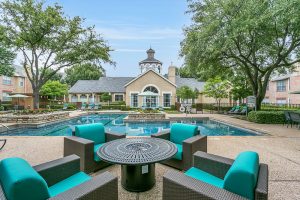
(115, 123)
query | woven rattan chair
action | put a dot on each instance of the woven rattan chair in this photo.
(187, 148)
(179, 186)
(85, 144)
(55, 180)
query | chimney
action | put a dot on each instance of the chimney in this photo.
(172, 74)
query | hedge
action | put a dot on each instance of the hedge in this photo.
(266, 117)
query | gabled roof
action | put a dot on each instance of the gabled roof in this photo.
(150, 60)
(148, 72)
(191, 82)
(104, 84)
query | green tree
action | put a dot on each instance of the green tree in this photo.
(86, 71)
(56, 77)
(217, 89)
(48, 39)
(256, 37)
(240, 88)
(106, 97)
(54, 89)
(185, 93)
(6, 57)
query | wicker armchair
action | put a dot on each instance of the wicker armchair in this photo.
(189, 147)
(178, 186)
(53, 174)
(85, 149)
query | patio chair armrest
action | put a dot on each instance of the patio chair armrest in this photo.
(58, 170)
(110, 136)
(190, 146)
(261, 191)
(103, 186)
(81, 147)
(213, 164)
(178, 186)
(162, 135)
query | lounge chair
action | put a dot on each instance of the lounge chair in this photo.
(65, 106)
(287, 119)
(83, 106)
(55, 180)
(97, 106)
(243, 111)
(236, 110)
(86, 142)
(295, 118)
(216, 177)
(188, 140)
(91, 106)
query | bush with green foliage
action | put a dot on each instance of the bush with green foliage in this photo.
(267, 117)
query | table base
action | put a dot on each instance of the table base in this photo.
(138, 178)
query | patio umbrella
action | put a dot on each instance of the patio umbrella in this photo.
(18, 96)
(295, 92)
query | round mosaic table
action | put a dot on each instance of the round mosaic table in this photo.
(137, 157)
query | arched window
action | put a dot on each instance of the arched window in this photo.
(151, 89)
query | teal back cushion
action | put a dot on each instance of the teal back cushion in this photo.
(180, 132)
(20, 181)
(241, 178)
(94, 132)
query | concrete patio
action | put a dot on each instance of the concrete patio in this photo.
(280, 149)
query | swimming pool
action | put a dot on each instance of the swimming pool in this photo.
(115, 123)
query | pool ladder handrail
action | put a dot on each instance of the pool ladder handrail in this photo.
(7, 128)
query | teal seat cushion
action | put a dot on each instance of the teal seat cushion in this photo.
(94, 132)
(180, 132)
(68, 183)
(96, 148)
(178, 155)
(241, 178)
(20, 181)
(204, 177)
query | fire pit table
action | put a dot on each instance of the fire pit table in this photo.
(137, 157)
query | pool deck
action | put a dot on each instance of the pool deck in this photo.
(279, 148)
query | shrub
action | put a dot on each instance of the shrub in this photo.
(72, 107)
(267, 117)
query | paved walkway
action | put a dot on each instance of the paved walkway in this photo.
(280, 149)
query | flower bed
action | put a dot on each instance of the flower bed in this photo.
(36, 118)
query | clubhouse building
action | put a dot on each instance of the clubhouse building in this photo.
(150, 88)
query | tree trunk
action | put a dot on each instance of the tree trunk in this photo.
(36, 99)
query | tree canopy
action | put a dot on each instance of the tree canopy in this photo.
(86, 71)
(48, 39)
(106, 97)
(258, 38)
(217, 89)
(6, 57)
(54, 89)
(185, 92)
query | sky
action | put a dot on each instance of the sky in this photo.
(130, 27)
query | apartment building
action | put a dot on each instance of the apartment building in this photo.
(17, 84)
(280, 89)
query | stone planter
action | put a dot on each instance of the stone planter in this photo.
(35, 118)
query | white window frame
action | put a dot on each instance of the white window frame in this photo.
(163, 99)
(6, 80)
(21, 82)
(118, 94)
(131, 99)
